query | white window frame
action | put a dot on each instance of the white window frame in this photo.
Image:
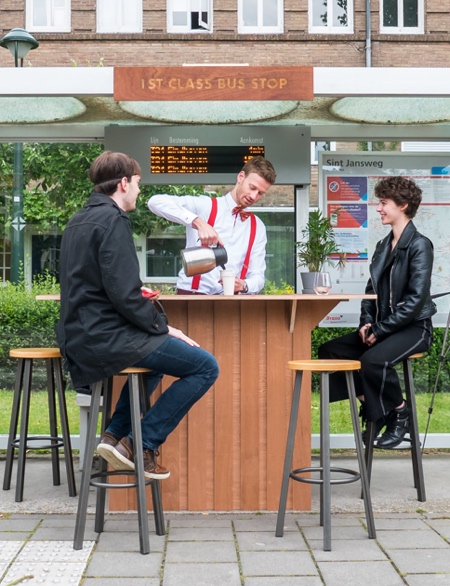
(64, 27)
(404, 30)
(173, 28)
(314, 159)
(119, 26)
(260, 28)
(329, 28)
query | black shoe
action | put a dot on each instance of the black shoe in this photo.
(396, 429)
(379, 424)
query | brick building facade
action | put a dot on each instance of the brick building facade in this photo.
(318, 33)
(152, 44)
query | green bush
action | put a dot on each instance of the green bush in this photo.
(26, 322)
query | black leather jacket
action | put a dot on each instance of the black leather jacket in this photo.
(404, 291)
(106, 325)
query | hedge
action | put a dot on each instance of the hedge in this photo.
(27, 322)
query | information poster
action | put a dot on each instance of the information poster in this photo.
(346, 183)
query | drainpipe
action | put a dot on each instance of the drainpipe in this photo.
(368, 50)
(368, 36)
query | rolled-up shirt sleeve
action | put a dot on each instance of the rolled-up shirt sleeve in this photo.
(181, 210)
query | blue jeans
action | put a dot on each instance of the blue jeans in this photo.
(196, 371)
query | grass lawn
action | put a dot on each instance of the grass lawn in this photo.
(339, 413)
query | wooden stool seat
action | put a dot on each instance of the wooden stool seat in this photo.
(133, 370)
(139, 401)
(325, 367)
(414, 439)
(43, 353)
(22, 394)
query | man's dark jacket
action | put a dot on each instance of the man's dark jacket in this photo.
(106, 325)
(402, 285)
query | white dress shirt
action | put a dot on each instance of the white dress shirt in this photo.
(233, 232)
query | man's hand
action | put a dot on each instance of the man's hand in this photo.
(179, 334)
(240, 286)
(206, 233)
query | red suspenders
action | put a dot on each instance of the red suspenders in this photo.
(211, 220)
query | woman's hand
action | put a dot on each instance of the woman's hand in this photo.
(366, 335)
(179, 334)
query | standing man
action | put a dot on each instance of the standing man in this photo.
(106, 324)
(224, 221)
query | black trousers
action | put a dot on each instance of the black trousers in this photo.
(377, 380)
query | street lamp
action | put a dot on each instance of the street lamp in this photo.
(19, 42)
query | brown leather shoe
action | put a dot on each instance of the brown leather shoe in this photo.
(151, 467)
(122, 458)
(107, 442)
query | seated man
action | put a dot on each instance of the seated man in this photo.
(106, 324)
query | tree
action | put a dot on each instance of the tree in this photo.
(57, 185)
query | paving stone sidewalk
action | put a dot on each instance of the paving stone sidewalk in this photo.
(236, 549)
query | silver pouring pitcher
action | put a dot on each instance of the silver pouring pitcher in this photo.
(202, 259)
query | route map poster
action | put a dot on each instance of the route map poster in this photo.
(346, 182)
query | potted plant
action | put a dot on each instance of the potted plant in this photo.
(317, 246)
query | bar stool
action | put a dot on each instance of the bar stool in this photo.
(138, 401)
(325, 367)
(22, 393)
(414, 440)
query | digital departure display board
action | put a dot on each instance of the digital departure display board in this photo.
(201, 159)
(212, 155)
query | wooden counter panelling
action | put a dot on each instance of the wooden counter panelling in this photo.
(227, 454)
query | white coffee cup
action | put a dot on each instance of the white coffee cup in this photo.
(228, 279)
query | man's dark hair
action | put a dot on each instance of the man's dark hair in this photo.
(109, 168)
(402, 191)
(262, 167)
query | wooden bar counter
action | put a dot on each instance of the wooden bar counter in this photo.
(227, 454)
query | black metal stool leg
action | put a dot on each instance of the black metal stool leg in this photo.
(155, 485)
(52, 422)
(326, 461)
(139, 463)
(416, 453)
(365, 482)
(289, 453)
(13, 424)
(57, 368)
(103, 465)
(91, 442)
(28, 368)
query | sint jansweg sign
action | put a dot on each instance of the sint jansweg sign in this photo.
(213, 83)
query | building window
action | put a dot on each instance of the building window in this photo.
(119, 16)
(331, 16)
(260, 16)
(189, 16)
(401, 17)
(48, 16)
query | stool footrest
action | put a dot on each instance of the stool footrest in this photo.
(102, 484)
(58, 442)
(353, 475)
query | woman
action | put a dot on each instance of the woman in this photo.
(397, 323)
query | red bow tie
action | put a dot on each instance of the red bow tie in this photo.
(239, 211)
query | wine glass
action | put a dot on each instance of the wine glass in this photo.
(322, 283)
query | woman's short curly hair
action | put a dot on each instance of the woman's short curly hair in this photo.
(402, 191)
